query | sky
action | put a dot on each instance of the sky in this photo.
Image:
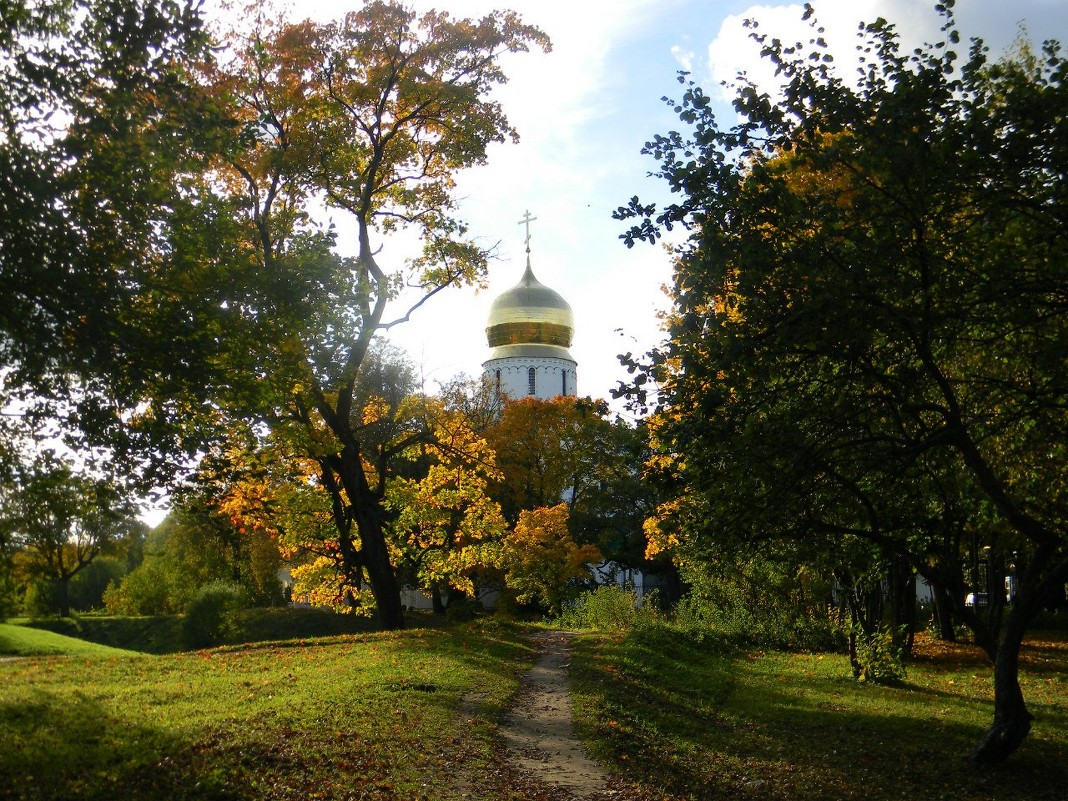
(583, 112)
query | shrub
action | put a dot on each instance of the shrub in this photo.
(609, 608)
(761, 601)
(767, 621)
(145, 591)
(212, 615)
(464, 609)
(878, 658)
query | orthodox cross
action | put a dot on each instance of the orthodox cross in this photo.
(527, 220)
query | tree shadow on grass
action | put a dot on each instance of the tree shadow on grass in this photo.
(80, 752)
(800, 734)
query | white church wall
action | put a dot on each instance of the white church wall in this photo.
(552, 377)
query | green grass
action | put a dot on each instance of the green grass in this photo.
(412, 715)
(692, 720)
(368, 716)
(25, 641)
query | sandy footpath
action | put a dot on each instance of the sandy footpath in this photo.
(539, 740)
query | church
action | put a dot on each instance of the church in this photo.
(529, 331)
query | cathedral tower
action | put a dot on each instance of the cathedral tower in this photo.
(529, 332)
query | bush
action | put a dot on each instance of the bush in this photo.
(878, 658)
(767, 622)
(760, 601)
(41, 598)
(462, 610)
(212, 615)
(145, 591)
(609, 608)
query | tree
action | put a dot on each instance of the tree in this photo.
(63, 520)
(569, 449)
(541, 560)
(373, 114)
(446, 527)
(87, 161)
(864, 343)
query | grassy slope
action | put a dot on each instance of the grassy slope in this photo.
(693, 721)
(25, 641)
(163, 634)
(381, 716)
(373, 716)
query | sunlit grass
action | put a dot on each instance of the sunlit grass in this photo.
(693, 720)
(24, 641)
(351, 716)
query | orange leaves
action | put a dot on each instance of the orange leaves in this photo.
(447, 527)
(541, 559)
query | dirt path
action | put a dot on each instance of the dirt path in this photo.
(538, 734)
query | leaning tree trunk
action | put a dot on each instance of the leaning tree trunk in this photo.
(1012, 721)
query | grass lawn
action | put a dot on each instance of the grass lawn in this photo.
(699, 721)
(411, 715)
(351, 716)
(26, 641)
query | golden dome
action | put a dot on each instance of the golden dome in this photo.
(530, 314)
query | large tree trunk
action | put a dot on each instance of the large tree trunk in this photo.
(380, 573)
(374, 555)
(1012, 721)
(943, 613)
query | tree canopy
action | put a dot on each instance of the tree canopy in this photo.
(372, 114)
(869, 320)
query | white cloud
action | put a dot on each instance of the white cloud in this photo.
(733, 51)
(684, 56)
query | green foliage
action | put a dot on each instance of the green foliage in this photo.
(609, 608)
(59, 520)
(212, 615)
(160, 586)
(41, 598)
(866, 341)
(759, 601)
(189, 549)
(879, 659)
